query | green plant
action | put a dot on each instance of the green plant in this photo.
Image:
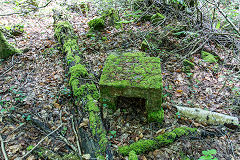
(113, 134)
(64, 130)
(29, 148)
(208, 155)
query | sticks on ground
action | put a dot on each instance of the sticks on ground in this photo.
(3, 148)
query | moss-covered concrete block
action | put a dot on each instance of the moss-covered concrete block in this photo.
(133, 75)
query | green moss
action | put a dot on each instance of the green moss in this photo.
(77, 59)
(143, 146)
(70, 46)
(93, 122)
(96, 24)
(86, 91)
(188, 63)
(157, 116)
(75, 87)
(132, 155)
(157, 17)
(103, 142)
(92, 106)
(6, 49)
(139, 147)
(77, 71)
(208, 57)
(144, 46)
(166, 138)
(145, 69)
(100, 157)
(63, 27)
(65, 35)
(181, 131)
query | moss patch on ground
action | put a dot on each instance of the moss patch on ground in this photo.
(144, 146)
(6, 49)
(157, 18)
(97, 24)
(208, 57)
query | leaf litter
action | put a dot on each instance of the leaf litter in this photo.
(39, 74)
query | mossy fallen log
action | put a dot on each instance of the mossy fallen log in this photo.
(143, 146)
(85, 93)
(6, 49)
(208, 117)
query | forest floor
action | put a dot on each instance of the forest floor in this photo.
(34, 85)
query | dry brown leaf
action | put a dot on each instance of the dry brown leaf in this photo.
(84, 123)
(31, 158)
(56, 105)
(143, 158)
(141, 136)
(15, 148)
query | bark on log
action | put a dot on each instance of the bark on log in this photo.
(207, 116)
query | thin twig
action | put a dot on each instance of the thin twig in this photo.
(3, 148)
(75, 132)
(10, 68)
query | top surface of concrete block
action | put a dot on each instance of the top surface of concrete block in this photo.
(132, 70)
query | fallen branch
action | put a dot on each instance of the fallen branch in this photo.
(207, 116)
(3, 148)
